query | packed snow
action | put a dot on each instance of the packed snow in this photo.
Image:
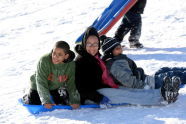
(29, 29)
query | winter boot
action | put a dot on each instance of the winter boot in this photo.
(170, 89)
(176, 86)
(135, 44)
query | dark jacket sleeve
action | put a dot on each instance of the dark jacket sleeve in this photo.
(86, 84)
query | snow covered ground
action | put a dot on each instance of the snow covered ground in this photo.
(29, 29)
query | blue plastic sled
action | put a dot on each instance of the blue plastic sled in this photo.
(36, 109)
(110, 16)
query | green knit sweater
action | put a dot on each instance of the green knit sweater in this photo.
(51, 76)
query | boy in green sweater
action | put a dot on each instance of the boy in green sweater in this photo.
(55, 76)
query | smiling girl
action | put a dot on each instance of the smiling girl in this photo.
(91, 72)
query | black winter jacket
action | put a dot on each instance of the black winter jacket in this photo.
(88, 76)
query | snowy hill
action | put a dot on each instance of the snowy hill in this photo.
(29, 29)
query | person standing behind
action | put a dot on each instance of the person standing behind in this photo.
(91, 72)
(55, 76)
(132, 23)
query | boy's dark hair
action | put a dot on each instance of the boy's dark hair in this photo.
(63, 45)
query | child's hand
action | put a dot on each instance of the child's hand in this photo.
(74, 106)
(48, 106)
